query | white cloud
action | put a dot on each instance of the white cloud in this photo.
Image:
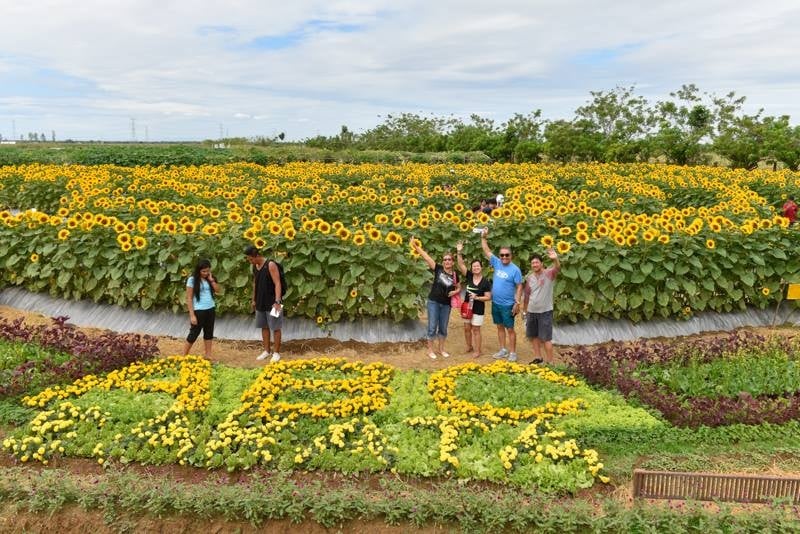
(310, 66)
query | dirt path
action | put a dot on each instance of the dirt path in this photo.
(401, 355)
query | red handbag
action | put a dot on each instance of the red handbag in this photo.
(466, 309)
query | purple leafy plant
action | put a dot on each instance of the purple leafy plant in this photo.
(616, 366)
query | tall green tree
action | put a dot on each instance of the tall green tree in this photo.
(623, 121)
(683, 125)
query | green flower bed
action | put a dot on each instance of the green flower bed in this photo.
(330, 415)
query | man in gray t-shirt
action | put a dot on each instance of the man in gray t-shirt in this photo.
(538, 306)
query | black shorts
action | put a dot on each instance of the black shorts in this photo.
(205, 322)
(539, 325)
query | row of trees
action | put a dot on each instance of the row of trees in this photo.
(618, 125)
(33, 137)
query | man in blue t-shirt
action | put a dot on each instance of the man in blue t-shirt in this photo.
(506, 297)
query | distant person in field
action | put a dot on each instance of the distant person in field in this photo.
(479, 291)
(506, 298)
(491, 204)
(790, 210)
(538, 306)
(200, 290)
(445, 286)
(267, 302)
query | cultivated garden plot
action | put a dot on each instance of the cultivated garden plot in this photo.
(526, 429)
(638, 241)
(480, 447)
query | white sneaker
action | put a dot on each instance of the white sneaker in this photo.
(263, 355)
(512, 357)
(275, 358)
(501, 354)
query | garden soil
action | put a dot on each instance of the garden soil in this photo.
(243, 354)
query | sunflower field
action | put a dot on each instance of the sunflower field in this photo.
(637, 241)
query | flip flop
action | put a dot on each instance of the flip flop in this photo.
(432, 355)
(445, 354)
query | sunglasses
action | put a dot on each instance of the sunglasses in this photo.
(448, 259)
(505, 255)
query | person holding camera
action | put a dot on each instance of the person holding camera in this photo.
(506, 297)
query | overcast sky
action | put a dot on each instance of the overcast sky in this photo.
(190, 70)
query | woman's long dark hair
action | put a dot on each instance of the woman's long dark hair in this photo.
(198, 280)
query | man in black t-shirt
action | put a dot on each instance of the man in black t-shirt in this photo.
(267, 302)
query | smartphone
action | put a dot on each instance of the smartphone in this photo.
(477, 230)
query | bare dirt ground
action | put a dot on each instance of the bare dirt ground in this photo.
(401, 355)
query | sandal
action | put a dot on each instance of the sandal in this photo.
(432, 355)
(445, 354)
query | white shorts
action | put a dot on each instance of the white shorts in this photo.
(477, 320)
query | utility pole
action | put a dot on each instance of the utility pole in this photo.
(133, 129)
(220, 132)
(146, 134)
(13, 129)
